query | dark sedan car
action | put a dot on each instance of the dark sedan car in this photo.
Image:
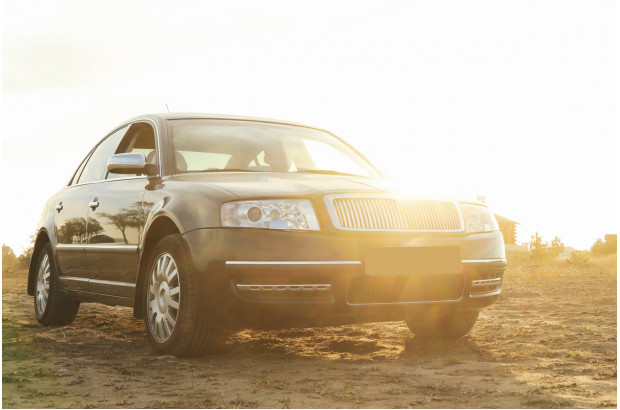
(202, 222)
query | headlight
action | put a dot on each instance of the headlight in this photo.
(270, 213)
(478, 218)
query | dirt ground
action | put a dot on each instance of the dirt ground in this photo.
(549, 342)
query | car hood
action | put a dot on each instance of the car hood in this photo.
(253, 184)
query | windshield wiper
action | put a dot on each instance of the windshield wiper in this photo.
(327, 172)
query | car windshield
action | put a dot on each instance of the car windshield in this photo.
(202, 145)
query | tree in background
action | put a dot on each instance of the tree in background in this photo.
(538, 248)
(7, 252)
(579, 258)
(24, 257)
(598, 247)
(606, 247)
(556, 247)
(9, 261)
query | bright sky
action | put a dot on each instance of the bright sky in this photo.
(515, 100)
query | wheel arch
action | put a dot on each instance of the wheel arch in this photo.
(42, 239)
(159, 228)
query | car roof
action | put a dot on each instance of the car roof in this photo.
(186, 115)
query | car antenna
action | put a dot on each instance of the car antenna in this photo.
(167, 108)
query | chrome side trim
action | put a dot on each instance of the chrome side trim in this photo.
(113, 283)
(99, 282)
(293, 263)
(483, 260)
(466, 261)
(74, 278)
(279, 288)
(111, 248)
(69, 247)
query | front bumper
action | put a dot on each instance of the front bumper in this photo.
(274, 277)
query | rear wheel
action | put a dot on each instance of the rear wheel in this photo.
(172, 317)
(442, 326)
(52, 306)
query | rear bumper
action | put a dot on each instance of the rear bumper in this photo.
(272, 278)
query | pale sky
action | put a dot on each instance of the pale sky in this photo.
(515, 100)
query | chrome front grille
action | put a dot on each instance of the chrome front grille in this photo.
(385, 213)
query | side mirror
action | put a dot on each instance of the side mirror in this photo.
(131, 164)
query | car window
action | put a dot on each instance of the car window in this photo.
(79, 170)
(202, 145)
(95, 167)
(140, 138)
(199, 161)
(322, 156)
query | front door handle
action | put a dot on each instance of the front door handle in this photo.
(59, 206)
(94, 204)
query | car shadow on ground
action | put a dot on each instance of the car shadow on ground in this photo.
(104, 360)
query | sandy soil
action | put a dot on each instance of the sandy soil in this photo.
(549, 342)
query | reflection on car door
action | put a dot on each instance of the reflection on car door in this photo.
(71, 233)
(118, 212)
(112, 254)
(73, 229)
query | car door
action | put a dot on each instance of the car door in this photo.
(118, 209)
(73, 229)
(70, 225)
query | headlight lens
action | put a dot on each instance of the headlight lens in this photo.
(479, 218)
(270, 213)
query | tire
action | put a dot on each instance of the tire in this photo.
(173, 320)
(52, 305)
(448, 326)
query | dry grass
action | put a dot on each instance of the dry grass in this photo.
(558, 270)
(549, 342)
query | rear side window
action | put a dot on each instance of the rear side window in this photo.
(96, 164)
(79, 170)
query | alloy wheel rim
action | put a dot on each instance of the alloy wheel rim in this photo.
(43, 284)
(164, 297)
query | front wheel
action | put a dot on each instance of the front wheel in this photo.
(52, 306)
(445, 326)
(173, 320)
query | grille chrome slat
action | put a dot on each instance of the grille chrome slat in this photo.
(348, 214)
(389, 213)
(384, 215)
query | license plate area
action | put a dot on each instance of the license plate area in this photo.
(412, 260)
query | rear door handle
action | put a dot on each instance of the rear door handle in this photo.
(59, 206)
(94, 204)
